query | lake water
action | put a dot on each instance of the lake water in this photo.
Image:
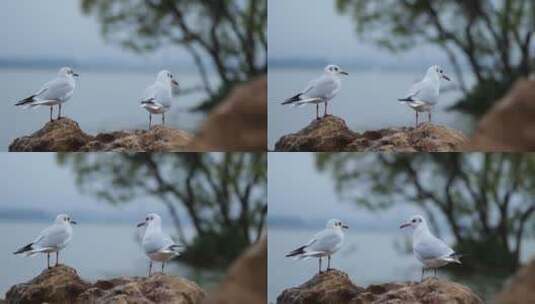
(103, 101)
(96, 251)
(368, 258)
(367, 101)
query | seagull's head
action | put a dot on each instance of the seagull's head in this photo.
(336, 224)
(150, 218)
(167, 77)
(335, 70)
(414, 222)
(64, 219)
(437, 70)
(67, 72)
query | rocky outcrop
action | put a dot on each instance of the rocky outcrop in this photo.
(239, 123)
(331, 134)
(520, 289)
(65, 135)
(246, 281)
(509, 125)
(61, 284)
(335, 287)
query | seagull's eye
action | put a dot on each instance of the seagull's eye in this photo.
(146, 218)
(414, 221)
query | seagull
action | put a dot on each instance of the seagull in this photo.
(424, 95)
(325, 243)
(55, 92)
(157, 244)
(320, 90)
(52, 239)
(158, 96)
(429, 250)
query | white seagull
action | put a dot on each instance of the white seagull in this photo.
(158, 96)
(429, 250)
(423, 95)
(325, 243)
(55, 92)
(52, 239)
(320, 90)
(157, 244)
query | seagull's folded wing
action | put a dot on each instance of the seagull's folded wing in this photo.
(53, 236)
(322, 87)
(325, 240)
(55, 90)
(432, 248)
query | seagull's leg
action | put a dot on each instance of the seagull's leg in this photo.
(435, 272)
(416, 119)
(319, 265)
(59, 113)
(326, 104)
(150, 119)
(51, 109)
(150, 267)
(328, 262)
(423, 272)
(163, 119)
(429, 116)
(57, 258)
(317, 111)
(48, 260)
(163, 264)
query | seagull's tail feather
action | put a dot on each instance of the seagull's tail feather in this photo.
(297, 252)
(24, 249)
(455, 258)
(292, 99)
(406, 100)
(25, 102)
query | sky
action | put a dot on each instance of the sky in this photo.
(35, 181)
(58, 29)
(314, 29)
(297, 190)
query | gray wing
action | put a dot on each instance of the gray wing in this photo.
(57, 89)
(158, 94)
(52, 236)
(157, 241)
(422, 91)
(324, 241)
(322, 87)
(431, 248)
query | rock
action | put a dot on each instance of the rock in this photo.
(509, 125)
(239, 123)
(329, 287)
(323, 135)
(62, 135)
(61, 284)
(246, 281)
(335, 287)
(331, 134)
(65, 135)
(520, 289)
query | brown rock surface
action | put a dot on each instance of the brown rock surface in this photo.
(509, 125)
(239, 123)
(521, 288)
(331, 134)
(246, 281)
(65, 135)
(62, 284)
(335, 287)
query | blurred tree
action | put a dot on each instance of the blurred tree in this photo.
(493, 38)
(223, 194)
(486, 199)
(228, 36)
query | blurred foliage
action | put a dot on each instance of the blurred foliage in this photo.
(493, 40)
(485, 199)
(227, 36)
(222, 194)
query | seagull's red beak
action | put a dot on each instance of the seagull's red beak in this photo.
(174, 82)
(141, 224)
